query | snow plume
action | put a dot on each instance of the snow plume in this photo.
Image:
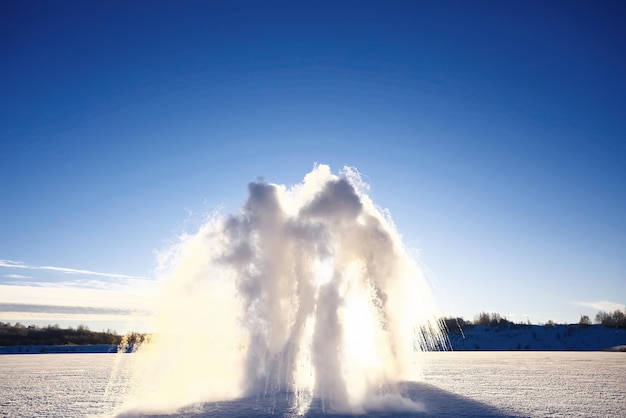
(306, 292)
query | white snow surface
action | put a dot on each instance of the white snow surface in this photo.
(456, 384)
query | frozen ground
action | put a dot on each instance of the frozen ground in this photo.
(488, 384)
(535, 384)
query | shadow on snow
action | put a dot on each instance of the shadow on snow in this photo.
(433, 402)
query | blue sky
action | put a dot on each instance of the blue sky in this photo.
(494, 132)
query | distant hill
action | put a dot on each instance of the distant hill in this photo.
(497, 335)
(510, 337)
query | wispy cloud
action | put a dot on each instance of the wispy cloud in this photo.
(54, 302)
(66, 270)
(133, 295)
(603, 305)
(48, 286)
(17, 276)
(52, 294)
(71, 310)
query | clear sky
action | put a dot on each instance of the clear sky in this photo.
(494, 132)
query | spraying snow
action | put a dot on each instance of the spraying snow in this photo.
(307, 292)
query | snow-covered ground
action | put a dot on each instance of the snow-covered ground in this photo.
(489, 384)
(535, 384)
(538, 338)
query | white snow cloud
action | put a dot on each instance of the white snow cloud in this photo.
(307, 286)
(603, 305)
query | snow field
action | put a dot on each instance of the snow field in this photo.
(496, 384)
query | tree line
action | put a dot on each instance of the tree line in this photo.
(616, 319)
(18, 334)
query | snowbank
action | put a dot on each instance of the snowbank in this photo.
(60, 349)
(511, 337)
